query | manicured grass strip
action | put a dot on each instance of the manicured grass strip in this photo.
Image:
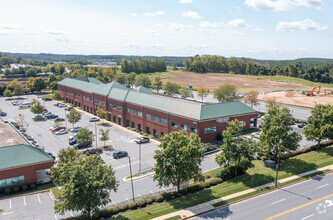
(41, 188)
(250, 131)
(294, 80)
(269, 188)
(174, 218)
(56, 192)
(256, 176)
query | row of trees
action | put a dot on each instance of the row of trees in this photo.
(143, 65)
(318, 72)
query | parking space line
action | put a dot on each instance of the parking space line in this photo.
(10, 203)
(139, 195)
(126, 199)
(151, 192)
(164, 189)
(322, 186)
(25, 204)
(114, 203)
(309, 216)
(71, 214)
(39, 199)
(55, 217)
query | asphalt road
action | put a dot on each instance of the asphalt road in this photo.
(312, 199)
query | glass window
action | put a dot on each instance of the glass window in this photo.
(109, 105)
(163, 120)
(91, 99)
(95, 101)
(83, 97)
(155, 118)
(139, 113)
(127, 110)
(2, 183)
(99, 102)
(15, 180)
(75, 94)
(114, 107)
(9, 182)
(210, 130)
(148, 116)
(183, 127)
(133, 111)
(78, 95)
(120, 108)
(127, 123)
(103, 103)
(21, 179)
(193, 130)
(174, 124)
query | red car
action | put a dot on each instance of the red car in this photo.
(93, 151)
(32, 140)
(58, 129)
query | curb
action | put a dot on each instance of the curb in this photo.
(138, 177)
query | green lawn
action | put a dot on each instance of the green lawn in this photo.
(44, 187)
(250, 131)
(256, 176)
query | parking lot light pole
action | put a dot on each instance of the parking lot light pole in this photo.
(96, 133)
(65, 119)
(129, 159)
(140, 158)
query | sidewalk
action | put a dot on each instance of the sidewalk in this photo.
(208, 206)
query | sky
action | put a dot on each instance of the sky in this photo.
(261, 29)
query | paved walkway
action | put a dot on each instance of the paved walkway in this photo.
(207, 206)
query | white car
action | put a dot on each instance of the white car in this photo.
(62, 105)
(62, 131)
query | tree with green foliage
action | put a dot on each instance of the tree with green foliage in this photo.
(58, 124)
(271, 103)
(186, 93)
(251, 98)
(202, 92)
(157, 84)
(130, 79)
(171, 88)
(7, 93)
(56, 96)
(104, 135)
(121, 78)
(236, 151)
(143, 80)
(74, 116)
(101, 113)
(320, 124)
(84, 137)
(178, 159)
(225, 92)
(174, 67)
(39, 84)
(37, 108)
(86, 183)
(20, 121)
(277, 136)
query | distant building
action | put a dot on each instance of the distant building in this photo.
(152, 113)
(18, 65)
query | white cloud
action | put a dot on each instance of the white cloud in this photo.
(282, 5)
(9, 26)
(153, 14)
(158, 25)
(185, 1)
(176, 27)
(191, 14)
(258, 29)
(56, 32)
(134, 14)
(237, 23)
(304, 25)
(206, 24)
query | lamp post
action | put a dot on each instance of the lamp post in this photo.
(96, 133)
(65, 119)
(129, 159)
(140, 158)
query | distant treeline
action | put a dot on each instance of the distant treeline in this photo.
(143, 65)
(85, 59)
(316, 71)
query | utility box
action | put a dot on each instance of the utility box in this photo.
(270, 163)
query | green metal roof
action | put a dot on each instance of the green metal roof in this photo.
(21, 155)
(145, 97)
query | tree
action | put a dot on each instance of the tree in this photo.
(203, 92)
(21, 121)
(174, 67)
(186, 92)
(38, 84)
(320, 124)
(143, 80)
(178, 159)
(37, 108)
(74, 116)
(171, 88)
(271, 103)
(58, 124)
(56, 95)
(7, 93)
(130, 79)
(236, 150)
(101, 113)
(104, 135)
(277, 136)
(251, 98)
(121, 78)
(157, 84)
(225, 93)
(84, 137)
(86, 183)
(18, 89)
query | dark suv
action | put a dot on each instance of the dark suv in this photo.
(142, 140)
(119, 154)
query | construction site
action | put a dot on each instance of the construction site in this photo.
(305, 98)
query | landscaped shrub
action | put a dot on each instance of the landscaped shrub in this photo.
(167, 196)
(141, 202)
(193, 188)
(33, 186)
(184, 191)
(158, 198)
(214, 181)
(8, 191)
(151, 136)
(16, 189)
(149, 200)
(132, 205)
(123, 208)
(115, 210)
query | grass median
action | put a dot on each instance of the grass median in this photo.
(256, 176)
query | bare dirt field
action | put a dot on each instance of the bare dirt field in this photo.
(298, 99)
(243, 82)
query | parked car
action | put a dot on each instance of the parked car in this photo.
(38, 117)
(301, 125)
(46, 99)
(51, 116)
(50, 154)
(59, 119)
(2, 114)
(142, 140)
(75, 129)
(62, 131)
(81, 146)
(57, 128)
(256, 135)
(68, 108)
(119, 154)
(32, 141)
(93, 151)
(93, 119)
(44, 110)
(46, 113)
(62, 105)
(25, 105)
(72, 136)
(72, 141)
(17, 102)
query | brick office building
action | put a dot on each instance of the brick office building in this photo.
(152, 113)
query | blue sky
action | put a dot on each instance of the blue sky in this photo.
(263, 29)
